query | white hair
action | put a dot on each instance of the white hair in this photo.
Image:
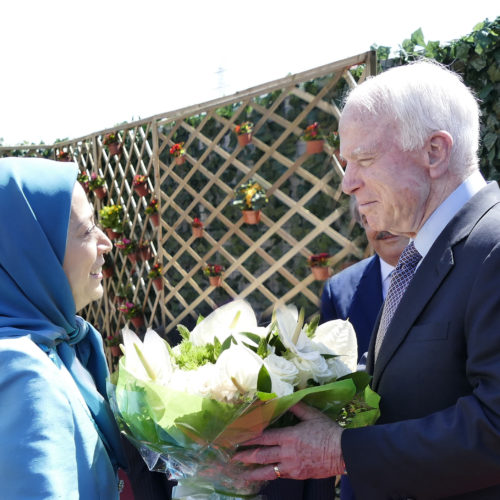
(424, 97)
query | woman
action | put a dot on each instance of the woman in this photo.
(57, 433)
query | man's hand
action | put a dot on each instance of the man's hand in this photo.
(310, 449)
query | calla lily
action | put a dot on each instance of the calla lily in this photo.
(148, 360)
(230, 319)
(338, 337)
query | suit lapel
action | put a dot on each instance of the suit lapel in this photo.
(429, 276)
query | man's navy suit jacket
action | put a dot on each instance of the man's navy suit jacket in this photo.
(438, 373)
(355, 294)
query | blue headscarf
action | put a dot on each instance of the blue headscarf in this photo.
(35, 296)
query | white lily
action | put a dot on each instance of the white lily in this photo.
(230, 319)
(148, 360)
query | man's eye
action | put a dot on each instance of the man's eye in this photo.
(90, 229)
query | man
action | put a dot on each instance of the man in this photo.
(357, 293)
(410, 138)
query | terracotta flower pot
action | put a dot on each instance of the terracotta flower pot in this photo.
(244, 139)
(197, 232)
(155, 219)
(115, 350)
(138, 321)
(108, 272)
(101, 192)
(180, 160)
(141, 189)
(132, 257)
(251, 216)
(146, 253)
(320, 273)
(112, 235)
(158, 283)
(215, 280)
(114, 148)
(313, 147)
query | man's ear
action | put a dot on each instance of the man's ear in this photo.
(438, 152)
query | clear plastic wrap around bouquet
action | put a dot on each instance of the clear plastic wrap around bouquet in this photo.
(188, 408)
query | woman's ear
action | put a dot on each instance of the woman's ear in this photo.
(439, 152)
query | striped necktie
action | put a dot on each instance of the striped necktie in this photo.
(401, 277)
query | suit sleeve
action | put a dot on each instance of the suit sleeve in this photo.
(37, 454)
(452, 451)
(328, 309)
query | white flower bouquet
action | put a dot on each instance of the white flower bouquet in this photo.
(192, 405)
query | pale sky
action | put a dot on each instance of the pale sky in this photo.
(72, 67)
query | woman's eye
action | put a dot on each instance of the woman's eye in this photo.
(91, 229)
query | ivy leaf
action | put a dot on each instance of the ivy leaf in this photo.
(489, 140)
(417, 37)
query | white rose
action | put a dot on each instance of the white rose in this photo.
(283, 374)
(311, 366)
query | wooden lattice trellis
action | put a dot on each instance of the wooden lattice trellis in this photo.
(266, 263)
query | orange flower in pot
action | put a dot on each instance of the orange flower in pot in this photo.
(64, 156)
(314, 139)
(84, 180)
(214, 273)
(244, 133)
(140, 185)
(155, 275)
(178, 152)
(197, 227)
(319, 265)
(250, 198)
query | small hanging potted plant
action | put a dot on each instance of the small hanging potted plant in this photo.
(84, 180)
(155, 275)
(250, 198)
(124, 294)
(178, 152)
(108, 266)
(244, 133)
(333, 139)
(133, 313)
(113, 143)
(96, 184)
(314, 139)
(64, 156)
(113, 342)
(197, 228)
(319, 265)
(214, 273)
(129, 248)
(152, 211)
(144, 250)
(111, 220)
(140, 184)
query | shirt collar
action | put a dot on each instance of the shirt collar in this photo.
(438, 220)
